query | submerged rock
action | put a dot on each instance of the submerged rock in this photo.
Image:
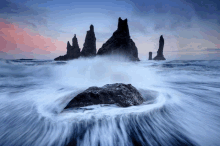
(160, 50)
(123, 95)
(73, 52)
(89, 47)
(120, 43)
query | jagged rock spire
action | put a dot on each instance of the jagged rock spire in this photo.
(120, 43)
(75, 42)
(123, 26)
(161, 45)
(160, 50)
(89, 47)
(68, 44)
(68, 47)
(73, 52)
(91, 28)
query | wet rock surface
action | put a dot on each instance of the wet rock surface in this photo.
(123, 95)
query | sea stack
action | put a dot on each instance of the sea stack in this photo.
(73, 52)
(150, 55)
(120, 43)
(89, 47)
(160, 50)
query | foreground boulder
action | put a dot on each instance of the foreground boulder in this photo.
(120, 43)
(160, 50)
(123, 95)
(73, 51)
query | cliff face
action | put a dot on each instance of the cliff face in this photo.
(73, 52)
(160, 50)
(89, 47)
(120, 43)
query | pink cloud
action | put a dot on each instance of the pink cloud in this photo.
(217, 45)
(14, 38)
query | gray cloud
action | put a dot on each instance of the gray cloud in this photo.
(206, 9)
(101, 37)
(168, 14)
(212, 49)
(26, 14)
(184, 50)
(137, 27)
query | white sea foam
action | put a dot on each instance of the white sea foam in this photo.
(33, 95)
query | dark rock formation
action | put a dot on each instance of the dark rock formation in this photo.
(73, 52)
(123, 95)
(150, 55)
(160, 50)
(120, 43)
(89, 47)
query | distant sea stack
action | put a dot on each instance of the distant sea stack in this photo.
(150, 55)
(73, 51)
(160, 50)
(120, 43)
(89, 47)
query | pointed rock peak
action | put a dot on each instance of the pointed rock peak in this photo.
(123, 25)
(74, 38)
(161, 38)
(68, 44)
(75, 42)
(91, 28)
(160, 50)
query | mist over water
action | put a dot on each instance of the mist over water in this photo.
(182, 103)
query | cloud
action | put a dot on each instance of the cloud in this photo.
(165, 14)
(217, 45)
(20, 12)
(169, 14)
(16, 40)
(184, 50)
(212, 49)
(206, 9)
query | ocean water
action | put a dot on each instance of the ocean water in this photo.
(182, 103)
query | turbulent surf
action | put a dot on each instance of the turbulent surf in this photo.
(184, 109)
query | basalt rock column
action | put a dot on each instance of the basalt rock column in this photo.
(89, 47)
(73, 52)
(69, 48)
(150, 55)
(160, 50)
(120, 43)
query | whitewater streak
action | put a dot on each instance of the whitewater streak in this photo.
(182, 103)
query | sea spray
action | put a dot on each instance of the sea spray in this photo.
(185, 109)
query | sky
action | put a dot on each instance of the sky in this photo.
(40, 29)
